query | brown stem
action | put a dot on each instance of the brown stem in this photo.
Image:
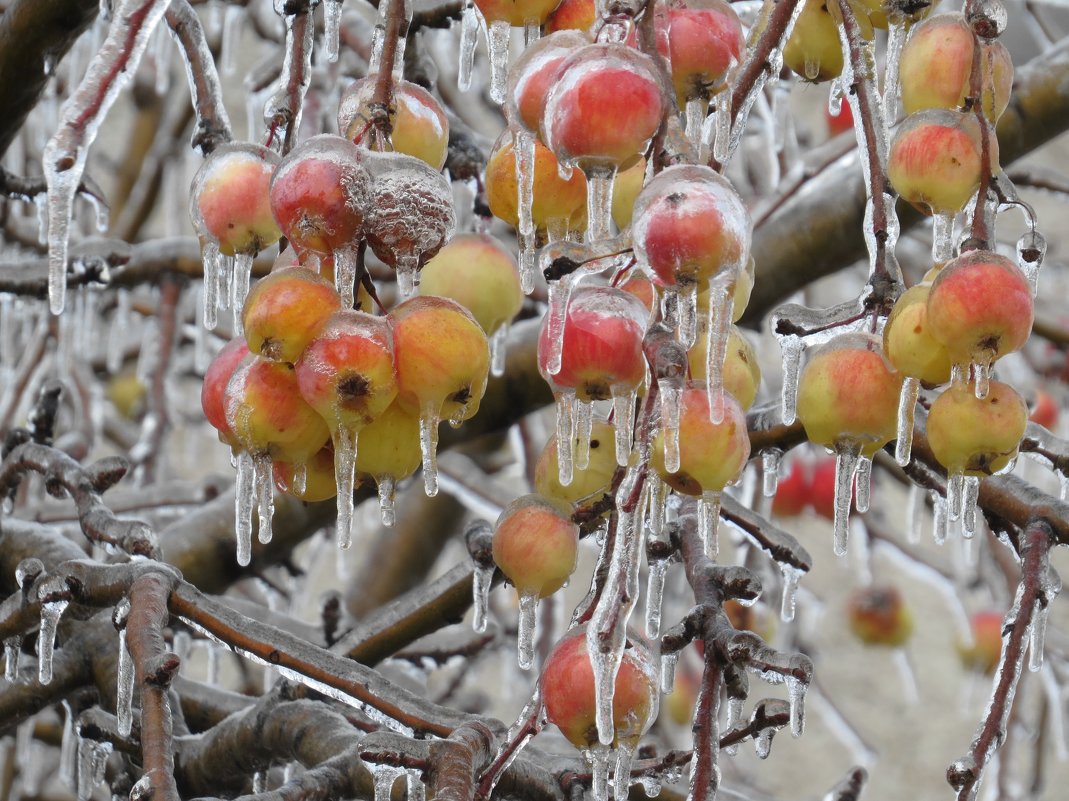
(158, 421)
(213, 124)
(382, 99)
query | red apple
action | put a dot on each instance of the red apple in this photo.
(284, 310)
(984, 652)
(418, 123)
(536, 545)
(229, 199)
(213, 389)
(879, 616)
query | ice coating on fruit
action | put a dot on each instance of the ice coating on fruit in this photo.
(555, 201)
(480, 274)
(410, 216)
(536, 544)
(976, 437)
(813, 50)
(849, 391)
(689, 224)
(936, 67)
(625, 190)
(602, 345)
(516, 13)
(591, 480)
(213, 389)
(980, 307)
(320, 193)
(604, 108)
(741, 372)
(711, 455)
(311, 481)
(578, 15)
(705, 41)
(908, 342)
(347, 372)
(266, 413)
(418, 125)
(935, 159)
(534, 74)
(285, 309)
(567, 685)
(229, 199)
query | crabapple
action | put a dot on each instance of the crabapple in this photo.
(604, 108)
(841, 122)
(935, 70)
(792, 491)
(704, 41)
(284, 310)
(310, 482)
(983, 653)
(980, 307)
(589, 481)
(229, 201)
(535, 73)
(213, 388)
(1044, 410)
(813, 50)
(536, 544)
(320, 193)
(908, 341)
(848, 392)
(477, 272)
(625, 190)
(323, 266)
(601, 354)
(568, 693)
(389, 452)
(973, 436)
(690, 224)
(576, 15)
(711, 455)
(267, 415)
(822, 488)
(418, 125)
(516, 13)
(557, 202)
(741, 374)
(755, 618)
(878, 615)
(935, 159)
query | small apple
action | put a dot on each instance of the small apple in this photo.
(880, 616)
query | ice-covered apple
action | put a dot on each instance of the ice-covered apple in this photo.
(705, 40)
(535, 73)
(577, 15)
(741, 373)
(418, 125)
(285, 309)
(312, 481)
(973, 436)
(213, 388)
(983, 653)
(588, 481)
(536, 544)
(229, 199)
(908, 342)
(878, 615)
(556, 202)
(813, 50)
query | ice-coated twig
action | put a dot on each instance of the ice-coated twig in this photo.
(64, 157)
(213, 124)
(283, 111)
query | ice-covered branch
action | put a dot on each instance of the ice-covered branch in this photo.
(213, 124)
(1032, 594)
(157, 422)
(283, 114)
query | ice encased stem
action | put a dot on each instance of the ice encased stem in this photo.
(770, 464)
(708, 522)
(482, 581)
(599, 184)
(497, 42)
(469, 34)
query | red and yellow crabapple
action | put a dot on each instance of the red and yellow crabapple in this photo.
(935, 159)
(389, 452)
(558, 203)
(536, 545)
(535, 73)
(908, 342)
(577, 15)
(1044, 410)
(741, 374)
(792, 491)
(589, 481)
(983, 653)
(516, 13)
(813, 50)
(973, 436)
(625, 190)
(705, 40)
(878, 615)
(213, 388)
(285, 309)
(229, 201)
(312, 481)
(567, 685)
(418, 125)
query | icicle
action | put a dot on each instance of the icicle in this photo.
(239, 286)
(981, 372)
(955, 491)
(658, 492)
(565, 434)
(939, 517)
(1037, 634)
(559, 293)
(907, 404)
(695, 114)
(332, 27)
(528, 256)
(68, 749)
(915, 513)
(387, 486)
(599, 185)
(231, 38)
(792, 358)
(407, 270)
(668, 671)
(244, 498)
(623, 421)
(721, 304)
(345, 442)
(671, 408)
(796, 689)
(722, 129)
(621, 781)
(12, 650)
(51, 612)
(655, 596)
(896, 39)
(670, 307)
(970, 500)
(708, 522)
(300, 479)
(526, 633)
(265, 495)
(498, 344)
(846, 459)
(212, 264)
(1030, 251)
(124, 694)
(942, 238)
(584, 421)
(497, 43)
(863, 483)
(598, 756)
(734, 717)
(770, 462)
(385, 776)
(763, 742)
(482, 581)
(211, 667)
(428, 446)
(687, 300)
(469, 32)
(791, 575)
